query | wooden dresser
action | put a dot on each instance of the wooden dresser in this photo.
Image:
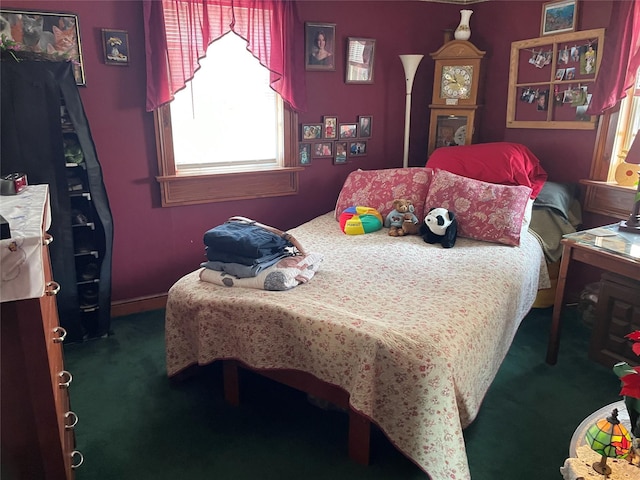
(37, 424)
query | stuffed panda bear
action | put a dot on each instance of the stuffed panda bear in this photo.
(440, 226)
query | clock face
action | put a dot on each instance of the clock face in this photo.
(456, 81)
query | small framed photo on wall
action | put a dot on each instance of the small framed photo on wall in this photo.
(348, 130)
(304, 154)
(341, 153)
(357, 149)
(330, 127)
(115, 44)
(319, 46)
(364, 126)
(311, 131)
(323, 149)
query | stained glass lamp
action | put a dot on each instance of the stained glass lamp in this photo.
(609, 438)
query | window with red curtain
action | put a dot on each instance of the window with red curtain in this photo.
(613, 99)
(177, 33)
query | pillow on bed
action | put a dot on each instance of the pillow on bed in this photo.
(485, 211)
(378, 188)
(499, 162)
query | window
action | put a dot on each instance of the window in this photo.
(616, 133)
(627, 127)
(227, 135)
(212, 112)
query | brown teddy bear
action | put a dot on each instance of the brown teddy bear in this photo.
(401, 220)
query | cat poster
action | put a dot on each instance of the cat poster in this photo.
(115, 44)
(54, 36)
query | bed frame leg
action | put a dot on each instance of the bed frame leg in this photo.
(359, 437)
(231, 382)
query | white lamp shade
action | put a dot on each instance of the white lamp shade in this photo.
(410, 64)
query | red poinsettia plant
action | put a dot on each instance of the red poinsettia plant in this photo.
(631, 382)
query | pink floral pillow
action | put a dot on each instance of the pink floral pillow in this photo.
(485, 211)
(378, 188)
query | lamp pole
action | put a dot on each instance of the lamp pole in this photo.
(410, 64)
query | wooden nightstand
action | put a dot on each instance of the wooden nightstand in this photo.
(604, 247)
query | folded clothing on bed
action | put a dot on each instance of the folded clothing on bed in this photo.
(287, 273)
(244, 240)
(240, 270)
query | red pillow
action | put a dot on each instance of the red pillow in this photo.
(485, 211)
(378, 188)
(500, 162)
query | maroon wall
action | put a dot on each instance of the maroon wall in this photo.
(154, 246)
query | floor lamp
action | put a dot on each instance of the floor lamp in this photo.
(410, 64)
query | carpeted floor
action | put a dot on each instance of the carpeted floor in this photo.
(136, 424)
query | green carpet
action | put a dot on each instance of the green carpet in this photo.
(136, 424)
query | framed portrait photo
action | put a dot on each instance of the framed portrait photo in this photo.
(55, 36)
(311, 131)
(115, 45)
(364, 126)
(559, 17)
(358, 148)
(319, 46)
(348, 130)
(330, 127)
(304, 154)
(341, 153)
(360, 57)
(323, 149)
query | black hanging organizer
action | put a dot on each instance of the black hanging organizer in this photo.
(45, 134)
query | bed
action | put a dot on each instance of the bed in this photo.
(407, 335)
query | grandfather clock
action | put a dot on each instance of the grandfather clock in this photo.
(456, 88)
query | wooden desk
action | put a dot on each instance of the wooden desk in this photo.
(619, 253)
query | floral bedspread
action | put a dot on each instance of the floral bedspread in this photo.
(414, 332)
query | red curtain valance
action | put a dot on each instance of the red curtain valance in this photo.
(621, 57)
(177, 33)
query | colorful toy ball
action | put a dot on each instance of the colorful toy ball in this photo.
(359, 220)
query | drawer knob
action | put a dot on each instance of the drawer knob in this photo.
(65, 375)
(77, 455)
(52, 288)
(48, 238)
(74, 420)
(62, 334)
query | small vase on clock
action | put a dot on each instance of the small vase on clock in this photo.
(463, 32)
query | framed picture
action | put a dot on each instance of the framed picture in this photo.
(364, 126)
(319, 46)
(311, 131)
(55, 36)
(323, 149)
(358, 148)
(559, 17)
(341, 153)
(348, 130)
(304, 154)
(115, 44)
(360, 56)
(330, 127)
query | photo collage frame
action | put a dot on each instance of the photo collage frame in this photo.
(335, 140)
(573, 63)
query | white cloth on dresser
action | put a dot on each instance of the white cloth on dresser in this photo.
(21, 269)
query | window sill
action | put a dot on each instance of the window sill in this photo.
(609, 199)
(192, 189)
